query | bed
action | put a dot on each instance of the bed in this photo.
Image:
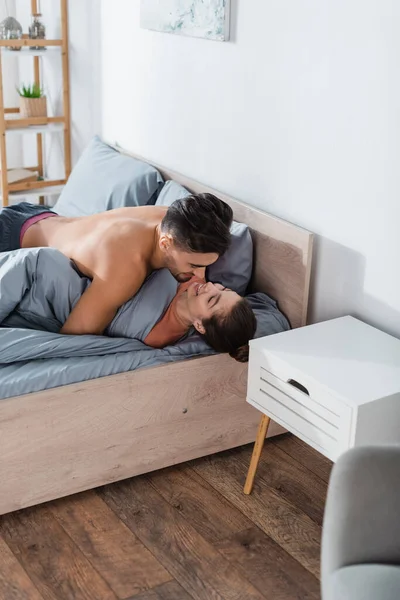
(76, 437)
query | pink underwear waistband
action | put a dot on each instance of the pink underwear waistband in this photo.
(32, 221)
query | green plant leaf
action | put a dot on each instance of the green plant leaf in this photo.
(30, 91)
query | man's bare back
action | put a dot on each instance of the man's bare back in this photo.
(117, 250)
(124, 232)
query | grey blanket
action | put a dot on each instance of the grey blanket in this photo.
(38, 289)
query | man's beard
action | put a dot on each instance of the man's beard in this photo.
(180, 277)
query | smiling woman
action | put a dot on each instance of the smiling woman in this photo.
(202, 300)
(224, 318)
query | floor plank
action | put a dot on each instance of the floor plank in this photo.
(14, 581)
(295, 531)
(307, 456)
(269, 568)
(196, 565)
(201, 505)
(115, 552)
(54, 564)
(167, 591)
(187, 532)
(291, 480)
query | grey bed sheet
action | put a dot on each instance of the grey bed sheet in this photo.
(38, 289)
(36, 375)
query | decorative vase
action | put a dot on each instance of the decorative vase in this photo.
(10, 29)
(32, 107)
(37, 30)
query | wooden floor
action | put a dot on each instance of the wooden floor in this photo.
(181, 533)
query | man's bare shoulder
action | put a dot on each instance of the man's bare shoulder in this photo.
(119, 239)
(120, 262)
(129, 234)
(141, 213)
(125, 245)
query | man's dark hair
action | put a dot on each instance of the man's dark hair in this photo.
(231, 333)
(199, 223)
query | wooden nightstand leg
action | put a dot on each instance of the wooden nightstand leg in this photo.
(258, 446)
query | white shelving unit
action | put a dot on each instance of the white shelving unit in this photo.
(42, 129)
(12, 124)
(30, 52)
(14, 197)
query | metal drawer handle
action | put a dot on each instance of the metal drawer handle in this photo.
(298, 385)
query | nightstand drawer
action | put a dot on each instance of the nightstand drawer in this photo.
(320, 419)
(297, 423)
(319, 402)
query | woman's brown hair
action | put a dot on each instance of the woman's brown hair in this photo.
(231, 333)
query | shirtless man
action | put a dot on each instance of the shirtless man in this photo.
(118, 249)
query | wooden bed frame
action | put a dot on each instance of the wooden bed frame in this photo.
(76, 437)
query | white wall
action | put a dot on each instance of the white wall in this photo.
(298, 115)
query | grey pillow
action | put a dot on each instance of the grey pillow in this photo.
(234, 268)
(270, 320)
(104, 179)
(170, 192)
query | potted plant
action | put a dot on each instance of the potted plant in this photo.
(32, 101)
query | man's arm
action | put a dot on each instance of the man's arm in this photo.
(97, 307)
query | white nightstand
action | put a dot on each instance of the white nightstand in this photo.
(335, 385)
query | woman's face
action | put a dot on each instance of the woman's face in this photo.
(207, 299)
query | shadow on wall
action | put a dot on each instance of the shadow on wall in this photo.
(233, 20)
(337, 288)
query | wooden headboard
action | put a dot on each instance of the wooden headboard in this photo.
(283, 252)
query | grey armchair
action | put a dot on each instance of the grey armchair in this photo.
(361, 532)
